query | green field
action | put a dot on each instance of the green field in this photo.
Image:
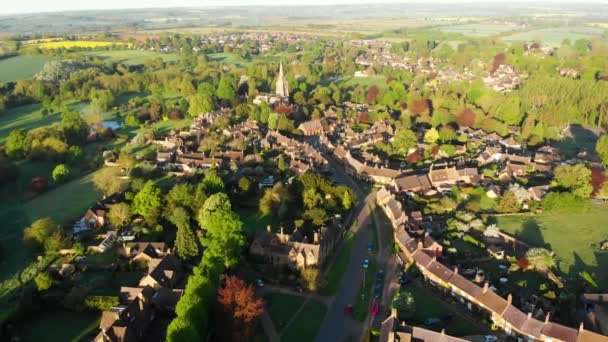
(131, 57)
(282, 307)
(573, 237)
(480, 29)
(63, 204)
(60, 326)
(229, 58)
(555, 36)
(334, 276)
(305, 326)
(27, 117)
(377, 80)
(20, 67)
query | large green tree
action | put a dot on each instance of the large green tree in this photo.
(223, 238)
(404, 140)
(576, 178)
(148, 202)
(405, 304)
(185, 241)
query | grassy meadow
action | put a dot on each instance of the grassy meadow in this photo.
(480, 29)
(555, 36)
(26, 117)
(20, 67)
(573, 237)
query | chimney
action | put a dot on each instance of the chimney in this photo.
(581, 327)
(442, 332)
(315, 238)
(509, 299)
(393, 312)
(486, 286)
(547, 317)
(420, 245)
(530, 314)
(456, 270)
(269, 228)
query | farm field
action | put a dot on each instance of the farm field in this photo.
(573, 237)
(131, 57)
(67, 44)
(26, 117)
(480, 29)
(20, 67)
(555, 36)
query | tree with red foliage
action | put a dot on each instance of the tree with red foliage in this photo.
(523, 263)
(466, 118)
(283, 109)
(597, 178)
(243, 308)
(39, 184)
(498, 61)
(418, 107)
(372, 94)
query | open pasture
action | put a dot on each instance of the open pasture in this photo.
(555, 36)
(20, 67)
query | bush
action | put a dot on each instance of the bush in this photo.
(102, 303)
(564, 202)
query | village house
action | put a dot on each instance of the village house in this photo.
(392, 330)
(392, 208)
(144, 251)
(412, 183)
(295, 251)
(502, 312)
(162, 272)
(312, 127)
(450, 176)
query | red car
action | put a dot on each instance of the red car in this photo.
(348, 310)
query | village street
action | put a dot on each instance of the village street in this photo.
(336, 326)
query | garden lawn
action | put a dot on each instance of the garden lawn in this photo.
(334, 276)
(27, 117)
(254, 221)
(63, 204)
(573, 237)
(60, 326)
(305, 326)
(428, 306)
(20, 67)
(282, 307)
(131, 57)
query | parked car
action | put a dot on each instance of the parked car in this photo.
(259, 282)
(490, 338)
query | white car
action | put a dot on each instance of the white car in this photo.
(490, 338)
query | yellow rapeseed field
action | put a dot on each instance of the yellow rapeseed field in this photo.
(66, 44)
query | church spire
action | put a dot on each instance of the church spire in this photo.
(282, 87)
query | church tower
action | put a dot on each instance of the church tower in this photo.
(282, 85)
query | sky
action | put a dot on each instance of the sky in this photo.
(32, 6)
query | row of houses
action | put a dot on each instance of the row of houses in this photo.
(304, 157)
(502, 311)
(157, 293)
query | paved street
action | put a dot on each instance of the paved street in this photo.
(336, 326)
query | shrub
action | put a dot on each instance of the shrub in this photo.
(564, 202)
(102, 303)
